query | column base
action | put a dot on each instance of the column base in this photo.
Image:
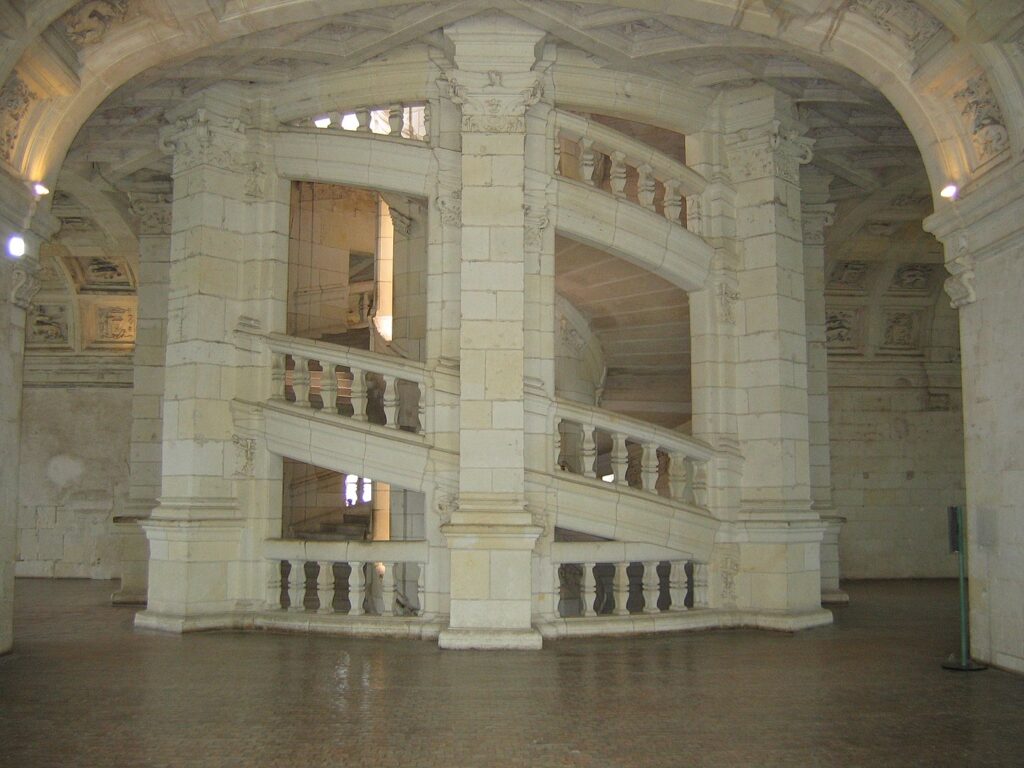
(178, 624)
(490, 639)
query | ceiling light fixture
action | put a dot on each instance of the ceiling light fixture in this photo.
(949, 191)
(40, 189)
(16, 246)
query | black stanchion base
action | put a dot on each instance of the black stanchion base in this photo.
(955, 663)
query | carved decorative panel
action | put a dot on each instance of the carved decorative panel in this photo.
(913, 279)
(902, 332)
(843, 330)
(49, 326)
(849, 277)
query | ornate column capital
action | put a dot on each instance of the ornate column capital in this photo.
(205, 137)
(153, 212)
(493, 101)
(773, 149)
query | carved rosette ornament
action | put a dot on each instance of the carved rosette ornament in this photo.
(493, 102)
(775, 150)
(15, 99)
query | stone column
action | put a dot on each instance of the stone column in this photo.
(818, 213)
(491, 535)
(779, 534)
(195, 533)
(153, 214)
(983, 234)
(18, 285)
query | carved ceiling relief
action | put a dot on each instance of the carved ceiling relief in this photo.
(913, 279)
(849, 277)
(902, 332)
(49, 326)
(88, 22)
(843, 330)
(15, 99)
(907, 20)
(110, 325)
(984, 118)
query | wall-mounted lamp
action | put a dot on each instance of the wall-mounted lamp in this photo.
(16, 246)
(40, 189)
(949, 191)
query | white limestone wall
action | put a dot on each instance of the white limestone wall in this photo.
(74, 470)
(896, 467)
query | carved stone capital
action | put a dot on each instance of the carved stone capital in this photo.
(205, 138)
(450, 207)
(770, 150)
(153, 213)
(494, 101)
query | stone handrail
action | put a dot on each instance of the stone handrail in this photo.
(659, 178)
(599, 444)
(366, 386)
(377, 573)
(619, 578)
(406, 121)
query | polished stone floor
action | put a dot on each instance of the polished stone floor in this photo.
(84, 689)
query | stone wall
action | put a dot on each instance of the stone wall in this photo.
(74, 472)
(896, 467)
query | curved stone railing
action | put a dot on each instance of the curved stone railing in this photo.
(348, 578)
(635, 171)
(406, 121)
(606, 446)
(366, 387)
(614, 578)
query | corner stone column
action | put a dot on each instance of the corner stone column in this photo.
(491, 535)
(18, 284)
(196, 532)
(818, 213)
(779, 534)
(153, 213)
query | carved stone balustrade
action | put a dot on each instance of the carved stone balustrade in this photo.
(620, 579)
(383, 579)
(335, 380)
(630, 454)
(602, 157)
(404, 121)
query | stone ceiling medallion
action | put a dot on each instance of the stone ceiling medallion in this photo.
(902, 332)
(913, 279)
(849, 277)
(88, 22)
(49, 326)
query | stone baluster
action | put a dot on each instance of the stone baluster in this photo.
(301, 381)
(329, 387)
(358, 394)
(421, 408)
(677, 585)
(700, 585)
(556, 572)
(396, 119)
(363, 118)
(391, 400)
(588, 160)
(699, 482)
(588, 589)
(356, 588)
(589, 451)
(621, 589)
(388, 589)
(618, 173)
(620, 458)
(673, 200)
(558, 155)
(560, 444)
(278, 375)
(678, 473)
(297, 586)
(649, 467)
(325, 586)
(273, 598)
(421, 589)
(652, 586)
(645, 186)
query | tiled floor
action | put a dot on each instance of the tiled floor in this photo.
(84, 689)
